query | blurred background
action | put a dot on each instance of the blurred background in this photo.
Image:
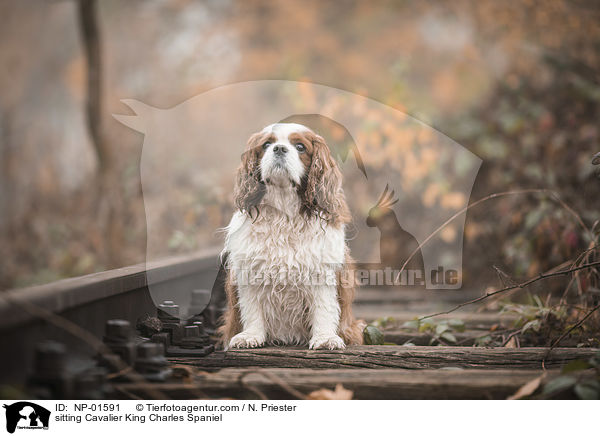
(516, 83)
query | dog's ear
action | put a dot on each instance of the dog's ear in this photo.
(249, 187)
(321, 191)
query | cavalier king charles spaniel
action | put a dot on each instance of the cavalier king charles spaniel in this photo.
(288, 266)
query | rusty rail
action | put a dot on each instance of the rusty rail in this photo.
(89, 301)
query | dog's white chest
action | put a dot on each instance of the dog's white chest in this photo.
(281, 261)
(274, 242)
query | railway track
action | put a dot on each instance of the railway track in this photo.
(74, 314)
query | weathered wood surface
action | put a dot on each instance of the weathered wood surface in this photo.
(371, 384)
(366, 384)
(407, 296)
(390, 356)
(400, 337)
(400, 315)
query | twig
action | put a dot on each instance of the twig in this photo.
(508, 288)
(508, 338)
(565, 334)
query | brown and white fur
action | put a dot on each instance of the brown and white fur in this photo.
(288, 278)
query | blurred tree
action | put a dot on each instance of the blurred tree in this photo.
(108, 187)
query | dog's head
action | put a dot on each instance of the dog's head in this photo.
(289, 155)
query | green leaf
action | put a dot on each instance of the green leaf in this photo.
(383, 321)
(412, 324)
(559, 384)
(441, 328)
(576, 365)
(426, 326)
(372, 335)
(587, 392)
(449, 337)
(457, 325)
(531, 325)
(483, 341)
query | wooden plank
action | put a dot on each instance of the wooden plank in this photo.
(390, 356)
(368, 384)
(389, 296)
(473, 320)
(399, 337)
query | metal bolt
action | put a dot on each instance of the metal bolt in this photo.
(200, 326)
(118, 329)
(168, 313)
(151, 361)
(161, 338)
(148, 350)
(168, 310)
(191, 331)
(192, 339)
(51, 376)
(90, 384)
(50, 359)
(119, 338)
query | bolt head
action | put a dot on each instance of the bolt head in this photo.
(168, 308)
(50, 357)
(148, 350)
(118, 328)
(191, 331)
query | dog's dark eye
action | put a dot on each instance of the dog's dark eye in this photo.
(266, 145)
(301, 148)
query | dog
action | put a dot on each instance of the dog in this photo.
(289, 278)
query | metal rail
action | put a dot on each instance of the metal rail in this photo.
(89, 301)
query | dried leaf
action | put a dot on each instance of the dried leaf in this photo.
(512, 343)
(527, 389)
(326, 394)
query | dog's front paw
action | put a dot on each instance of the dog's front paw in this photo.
(247, 340)
(327, 342)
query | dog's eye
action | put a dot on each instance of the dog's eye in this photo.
(266, 145)
(301, 148)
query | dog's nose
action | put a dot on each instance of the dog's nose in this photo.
(279, 149)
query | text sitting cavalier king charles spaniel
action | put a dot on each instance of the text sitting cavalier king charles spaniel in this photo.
(287, 260)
